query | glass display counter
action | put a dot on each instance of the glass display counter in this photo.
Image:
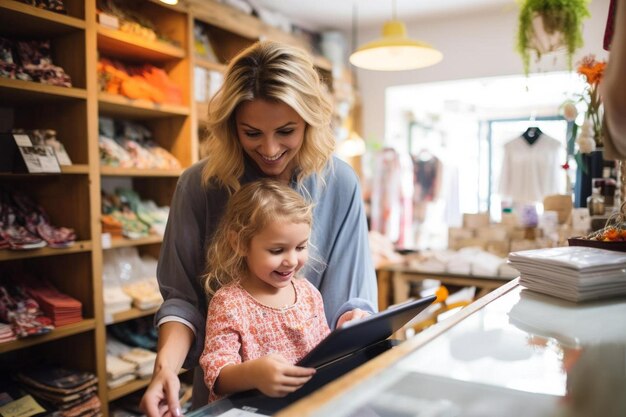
(511, 353)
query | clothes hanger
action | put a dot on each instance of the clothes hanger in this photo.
(424, 154)
(532, 134)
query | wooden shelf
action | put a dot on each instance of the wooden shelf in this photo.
(126, 389)
(114, 105)
(58, 333)
(133, 313)
(234, 21)
(138, 172)
(65, 170)
(210, 65)
(35, 22)
(227, 18)
(78, 247)
(132, 386)
(25, 92)
(125, 243)
(75, 169)
(130, 47)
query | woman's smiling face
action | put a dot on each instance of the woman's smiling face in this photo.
(271, 133)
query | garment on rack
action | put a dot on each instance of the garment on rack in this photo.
(427, 172)
(530, 172)
(392, 192)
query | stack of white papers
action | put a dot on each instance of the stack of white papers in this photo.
(575, 273)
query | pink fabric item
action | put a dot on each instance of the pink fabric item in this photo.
(240, 329)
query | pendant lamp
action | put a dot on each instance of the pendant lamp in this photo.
(395, 51)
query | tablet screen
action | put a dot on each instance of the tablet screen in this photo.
(361, 333)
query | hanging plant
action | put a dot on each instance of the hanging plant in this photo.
(549, 25)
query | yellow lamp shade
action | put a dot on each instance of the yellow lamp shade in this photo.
(395, 51)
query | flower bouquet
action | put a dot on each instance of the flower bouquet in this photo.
(592, 132)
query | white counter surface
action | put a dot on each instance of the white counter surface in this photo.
(522, 354)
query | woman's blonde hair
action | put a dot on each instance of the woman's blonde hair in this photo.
(250, 209)
(275, 72)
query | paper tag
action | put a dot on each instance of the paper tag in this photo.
(106, 240)
(24, 407)
(22, 140)
(37, 158)
(62, 156)
(48, 159)
(108, 20)
(31, 159)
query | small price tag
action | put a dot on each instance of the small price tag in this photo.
(106, 240)
(37, 158)
(23, 407)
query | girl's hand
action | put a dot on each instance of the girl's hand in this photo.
(275, 377)
(355, 314)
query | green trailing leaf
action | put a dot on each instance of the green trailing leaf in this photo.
(565, 16)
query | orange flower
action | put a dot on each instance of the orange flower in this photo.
(591, 69)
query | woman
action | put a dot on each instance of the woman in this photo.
(271, 118)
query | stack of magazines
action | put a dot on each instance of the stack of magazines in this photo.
(64, 392)
(575, 273)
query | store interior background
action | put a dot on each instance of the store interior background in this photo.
(446, 108)
(475, 96)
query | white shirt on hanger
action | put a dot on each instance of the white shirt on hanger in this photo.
(531, 172)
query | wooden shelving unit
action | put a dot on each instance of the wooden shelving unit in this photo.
(33, 20)
(133, 313)
(25, 91)
(137, 384)
(80, 246)
(125, 243)
(132, 47)
(72, 198)
(119, 106)
(210, 65)
(138, 172)
(58, 333)
(75, 169)
(129, 388)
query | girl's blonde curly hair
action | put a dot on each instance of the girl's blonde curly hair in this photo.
(249, 210)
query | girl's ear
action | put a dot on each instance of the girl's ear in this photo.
(234, 243)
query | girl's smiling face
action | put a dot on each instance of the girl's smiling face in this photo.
(276, 254)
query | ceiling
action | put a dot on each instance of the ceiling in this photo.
(337, 14)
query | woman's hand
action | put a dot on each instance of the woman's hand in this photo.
(355, 314)
(161, 397)
(275, 377)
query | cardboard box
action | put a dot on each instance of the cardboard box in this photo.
(475, 220)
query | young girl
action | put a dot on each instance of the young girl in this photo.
(262, 317)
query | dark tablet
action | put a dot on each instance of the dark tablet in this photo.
(362, 333)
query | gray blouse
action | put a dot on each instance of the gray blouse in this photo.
(345, 276)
